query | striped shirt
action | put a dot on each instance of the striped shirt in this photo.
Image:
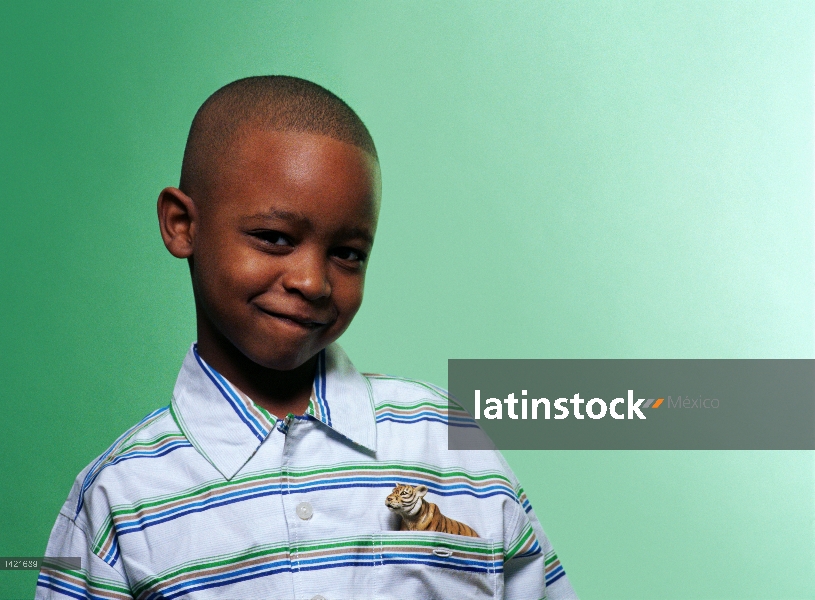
(213, 497)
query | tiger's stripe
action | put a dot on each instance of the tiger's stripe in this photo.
(443, 524)
(420, 515)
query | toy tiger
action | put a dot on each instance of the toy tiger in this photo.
(420, 515)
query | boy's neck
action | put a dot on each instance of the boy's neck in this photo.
(279, 392)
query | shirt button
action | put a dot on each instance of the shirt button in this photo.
(319, 597)
(304, 511)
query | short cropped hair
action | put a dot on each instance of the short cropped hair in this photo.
(265, 103)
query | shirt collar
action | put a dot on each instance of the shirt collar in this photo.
(227, 428)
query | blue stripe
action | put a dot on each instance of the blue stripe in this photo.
(278, 489)
(442, 565)
(435, 417)
(347, 557)
(553, 576)
(533, 550)
(408, 421)
(321, 388)
(254, 426)
(374, 562)
(387, 481)
(263, 571)
(389, 484)
(220, 580)
(110, 556)
(93, 473)
(239, 405)
(359, 562)
(163, 450)
(62, 587)
(452, 560)
(273, 489)
(341, 561)
(417, 556)
(200, 506)
(116, 556)
(424, 413)
(320, 408)
(150, 453)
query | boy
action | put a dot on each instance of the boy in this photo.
(266, 476)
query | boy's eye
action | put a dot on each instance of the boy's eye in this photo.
(275, 238)
(350, 254)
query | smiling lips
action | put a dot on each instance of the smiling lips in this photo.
(303, 320)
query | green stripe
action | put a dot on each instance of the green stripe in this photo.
(115, 450)
(140, 428)
(516, 546)
(245, 555)
(549, 561)
(102, 535)
(207, 563)
(410, 406)
(269, 416)
(335, 470)
(474, 547)
(417, 467)
(126, 511)
(123, 509)
(94, 582)
(342, 544)
(150, 442)
(432, 390)
(179, 421)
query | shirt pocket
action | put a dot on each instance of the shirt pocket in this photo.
(429, 564)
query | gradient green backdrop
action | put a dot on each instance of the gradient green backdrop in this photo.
(583, 179)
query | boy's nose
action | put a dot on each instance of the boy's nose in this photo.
(308, 275)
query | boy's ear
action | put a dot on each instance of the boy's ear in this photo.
(177, 219)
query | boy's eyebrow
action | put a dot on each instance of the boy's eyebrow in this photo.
(281, 215)
(300, 219)
(356, 232)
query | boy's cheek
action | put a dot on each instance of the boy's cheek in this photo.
(348, 297)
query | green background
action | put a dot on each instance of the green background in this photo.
(583, 179)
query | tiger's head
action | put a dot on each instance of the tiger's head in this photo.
(406, 500)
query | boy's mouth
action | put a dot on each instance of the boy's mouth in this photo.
(302, 320)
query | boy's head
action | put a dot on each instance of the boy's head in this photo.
(276, 212)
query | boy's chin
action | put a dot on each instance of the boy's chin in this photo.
(283, 361)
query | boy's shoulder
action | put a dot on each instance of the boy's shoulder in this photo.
(414, 410)
(411, 402)
(155, 436)
(391, 393)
